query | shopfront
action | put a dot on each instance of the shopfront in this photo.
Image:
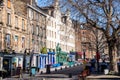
(43, 60)
(7, 64)
(11, 63)
(51, 57)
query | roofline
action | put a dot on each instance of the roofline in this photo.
(37, 10)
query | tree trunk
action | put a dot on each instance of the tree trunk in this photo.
(112, 56)
(110, 50)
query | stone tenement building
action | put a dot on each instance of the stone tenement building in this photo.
(24, 25)
(59, 28)
(37, 27)
(13, 26)
(83, 41)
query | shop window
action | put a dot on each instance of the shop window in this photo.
(8, 3)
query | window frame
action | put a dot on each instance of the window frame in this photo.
(8, 18)
(23, 24)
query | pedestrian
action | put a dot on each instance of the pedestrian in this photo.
(103, 66)
(93, 62)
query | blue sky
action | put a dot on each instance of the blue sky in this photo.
(43, 3)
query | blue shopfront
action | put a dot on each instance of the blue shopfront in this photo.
(51, 57)
(43, 60)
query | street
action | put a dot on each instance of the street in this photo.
(71, 70)
(69, 73)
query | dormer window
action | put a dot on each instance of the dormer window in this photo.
(52, 13)
(64, 19)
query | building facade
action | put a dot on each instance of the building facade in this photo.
(13, 26)
(36, 26)
(59, 28)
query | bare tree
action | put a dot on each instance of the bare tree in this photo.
(99, 43)
(103, 15)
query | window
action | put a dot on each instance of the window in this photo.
(23, 24)
(16, 21)
(23, 42)
(37, 16)
(83, 38)
(8, 18)
(33, 42)
(8, 3)
(83, 32)
(7, 40)
(52, 13)
(37, 28)
(16, 40)
(30, 13)
(0, 16)
(32, 29)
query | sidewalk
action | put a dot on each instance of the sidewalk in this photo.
(43, 77)
(58, 76)
(102, 77)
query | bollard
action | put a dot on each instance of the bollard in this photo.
(48, 69)
(70, 75)
(1, 78)
(65, 67)
(41, 72)
(55, 69)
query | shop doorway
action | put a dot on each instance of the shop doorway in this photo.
(7, 66)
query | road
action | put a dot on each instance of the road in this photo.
(69, 73)
(71, 70)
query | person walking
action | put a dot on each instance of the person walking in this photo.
(93, 62)
(103, 66)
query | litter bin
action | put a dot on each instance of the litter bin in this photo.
(70, 75)
(1, 75)
(33, 71)
(18, 71)
(48, 69)
(106, 71)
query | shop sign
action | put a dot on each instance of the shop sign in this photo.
(8, 55)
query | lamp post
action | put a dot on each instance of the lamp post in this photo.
(97, 58)
(58, 55)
